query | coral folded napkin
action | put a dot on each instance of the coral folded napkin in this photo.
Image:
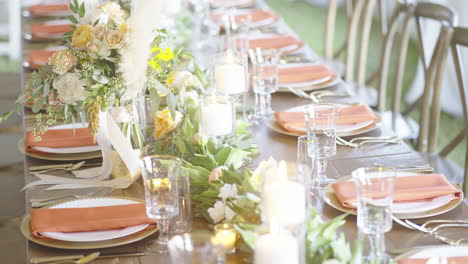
(255, 15)
(60, 138)
(284, 42)
(305, 73)
(49, 10)
(451, 260)
(295, 122)
(43, 31)
(88, 219)
(407, 189)
(39, 58)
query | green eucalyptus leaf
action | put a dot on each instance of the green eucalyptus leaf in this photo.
(82, 10)
(5, 116)
(38, 104)
(222, 155)
(171, 104)
(211, 146)
(73, 20)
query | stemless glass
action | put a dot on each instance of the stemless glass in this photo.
(305, 162)
(321, 128)
(217, 117)
(230, 73)
(160, 174)
(195, 248)
(374, 190)
(266, 80)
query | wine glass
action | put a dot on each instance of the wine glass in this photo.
(374, 190)
(195, 248)
(160, 175)
(321, 131)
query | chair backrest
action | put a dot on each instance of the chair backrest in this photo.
(459, 38)
(329, 52)
(410, 11)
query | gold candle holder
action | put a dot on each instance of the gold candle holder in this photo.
(226, 236)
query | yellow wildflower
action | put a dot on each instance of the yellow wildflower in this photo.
(124, 28)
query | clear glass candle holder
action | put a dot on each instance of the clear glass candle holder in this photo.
(230, 73)
(217, 116)
(276, 245)
(226, 236)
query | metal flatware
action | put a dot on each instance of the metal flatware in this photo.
(83, 260)
(101, 255)
(47, 201)
(444, 239)
(430, 222)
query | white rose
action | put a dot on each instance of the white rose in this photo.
(230, 214)
(217, 212)
(185, 79)
(228, 191)
(70, 88)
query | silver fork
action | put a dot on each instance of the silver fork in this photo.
(447, 240)
(47, 201)
(360, 144)
(303, 94)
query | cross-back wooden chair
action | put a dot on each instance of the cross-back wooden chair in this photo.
(356, 11)
(459, 38)
(409, 12)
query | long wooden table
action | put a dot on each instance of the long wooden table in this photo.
(280, 147)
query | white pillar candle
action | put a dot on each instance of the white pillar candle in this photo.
(217, 119)
(230, 77)
(276, 248)
(285, 201)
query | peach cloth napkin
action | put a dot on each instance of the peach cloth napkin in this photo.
(256, 15)
(42, 31)
(47, 10)
(304, 73)
(39, 58)
(276, 42)
(451, 260)
(88, 219)
(232, 3)
(411, 188)
(295, 122)
(60, 138)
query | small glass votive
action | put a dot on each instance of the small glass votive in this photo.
(226, 236)
(230, 73)
(217, 116)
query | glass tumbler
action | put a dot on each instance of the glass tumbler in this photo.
(266, 74)
(374, 190)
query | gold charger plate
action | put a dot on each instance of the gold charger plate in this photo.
(271, 123)
(26, 231)
(59, 157)
(330, 198)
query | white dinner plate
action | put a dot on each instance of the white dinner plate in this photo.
(95, 235)
(411, 210)
(309, 85)
(72, 150)
(293, 48)
(436, 251)
(341, 130)
(261, 23)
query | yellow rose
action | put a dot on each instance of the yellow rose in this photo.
(99, 31)
(164, 123)
(62, 61)
(114, 39)
(124, 28)
(82, 36)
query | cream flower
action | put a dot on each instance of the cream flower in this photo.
(62, 61)
(70, 88)
(228, 191)
(184, 80)
(229, 213)
(216, 173)
(114, 11)
(99, 31)
(92, 47)
(259, 173)
(114, 39)
(81, 36)
(164, 123)
(217, 212)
